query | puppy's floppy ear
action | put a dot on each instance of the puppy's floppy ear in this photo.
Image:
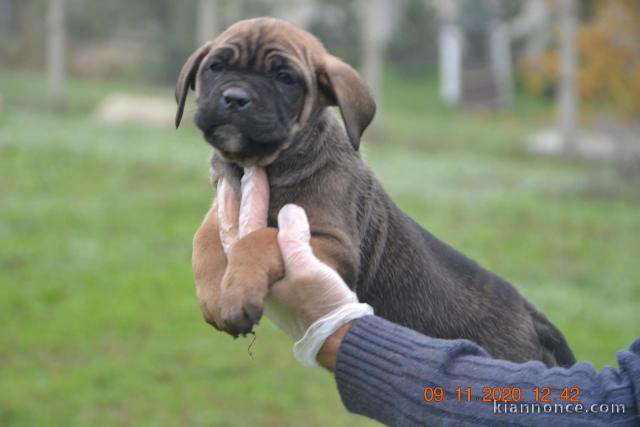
(187, 78)
(343, 87)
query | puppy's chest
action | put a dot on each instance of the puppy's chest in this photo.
(279, 197)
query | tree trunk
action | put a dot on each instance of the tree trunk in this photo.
(56, 53)
(567, 94)
(534, 28)
(375, 25)
(501, 62)
(450, 62)
(208, 11)
(450, 39)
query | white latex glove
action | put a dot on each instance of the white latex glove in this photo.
(312, 301)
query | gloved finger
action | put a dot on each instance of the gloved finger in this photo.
(294, 236)
(228, 210)
(254, 205)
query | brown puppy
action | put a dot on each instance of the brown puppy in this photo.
(264, 91)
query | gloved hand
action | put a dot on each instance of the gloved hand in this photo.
(312, 301)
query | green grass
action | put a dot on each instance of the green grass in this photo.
(99, 323)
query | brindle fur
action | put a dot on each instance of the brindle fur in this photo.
(408, 275)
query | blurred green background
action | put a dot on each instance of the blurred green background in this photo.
(99, 324)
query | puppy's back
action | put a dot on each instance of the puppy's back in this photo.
(423, 283)
(407, 274)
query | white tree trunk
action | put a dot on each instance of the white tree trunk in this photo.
(450, 44)
(208, 11)
(56, 53)
(567, 100)
(450, 63)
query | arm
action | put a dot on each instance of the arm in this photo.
(382, 370)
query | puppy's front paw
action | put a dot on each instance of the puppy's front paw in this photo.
(242, 301)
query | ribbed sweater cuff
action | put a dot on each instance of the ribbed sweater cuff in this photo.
(365, 374)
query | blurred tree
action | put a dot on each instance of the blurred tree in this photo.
(500, 57)
(375, 22)
(608, 56)
(299, 12)
(475, 53)
(56, 53)
(450, 44)
(531, 25)
(609, 48)
(208, 20)
(567, 100)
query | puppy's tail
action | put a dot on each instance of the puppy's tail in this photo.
(556, 349)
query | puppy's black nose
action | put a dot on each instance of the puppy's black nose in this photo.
(235, 99)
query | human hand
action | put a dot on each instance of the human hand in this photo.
(312, 302)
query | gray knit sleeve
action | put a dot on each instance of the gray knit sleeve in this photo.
(382, 370)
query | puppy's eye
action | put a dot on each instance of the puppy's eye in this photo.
(216, 67)
(285, 77)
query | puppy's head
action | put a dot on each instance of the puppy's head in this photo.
(261, 82)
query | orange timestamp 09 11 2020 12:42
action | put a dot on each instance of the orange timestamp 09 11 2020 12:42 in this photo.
(538, 394)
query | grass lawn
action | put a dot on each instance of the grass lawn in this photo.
(99, 323)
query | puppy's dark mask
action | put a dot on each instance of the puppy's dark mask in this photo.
(260, 82)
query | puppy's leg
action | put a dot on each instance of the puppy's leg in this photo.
(209, 264)
(255, 263)
(231, 292)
